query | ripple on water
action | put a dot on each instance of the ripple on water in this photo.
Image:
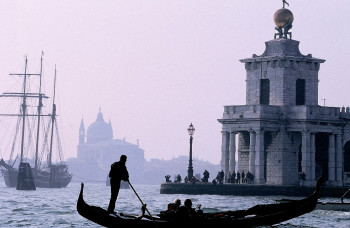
(18, 209)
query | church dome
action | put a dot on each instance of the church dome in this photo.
(99, 130)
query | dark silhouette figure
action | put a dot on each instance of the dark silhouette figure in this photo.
(170, 213)
(172, 207)
(117, 173)
(178, 178)
(186, 212)
(220, 177)
(193, 180)
(238, 177)
(285, 2)
(233, 177)
(167, 178)
(186, 179)
(249, 177)
(243, 177)
(205, 176)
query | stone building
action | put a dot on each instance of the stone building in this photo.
(98, 150)
(282, 131)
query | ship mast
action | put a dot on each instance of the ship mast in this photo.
(39, 115)
(24, 107)
(53, 117)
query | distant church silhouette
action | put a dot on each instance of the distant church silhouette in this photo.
(98, 150)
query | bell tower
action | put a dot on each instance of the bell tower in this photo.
(282, 75)
(82, 132)
(281, 132)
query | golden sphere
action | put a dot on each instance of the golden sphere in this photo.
(282, 16)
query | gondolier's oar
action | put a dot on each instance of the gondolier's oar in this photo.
(141, 201)
(341, 198)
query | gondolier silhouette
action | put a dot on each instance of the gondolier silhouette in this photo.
(117, 173)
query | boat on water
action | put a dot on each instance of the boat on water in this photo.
(45, 173)
(259, 215)
(340, 205)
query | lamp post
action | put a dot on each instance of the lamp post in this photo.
(190, 130)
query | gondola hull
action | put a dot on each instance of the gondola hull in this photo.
(328, 206)
(260, 215)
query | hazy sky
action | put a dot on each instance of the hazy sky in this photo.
(156, 66)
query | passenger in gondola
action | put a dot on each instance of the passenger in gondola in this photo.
(177, 203)
(174, 206)
(143, 209)
(170, 213)
(117, 173)
(186, 211)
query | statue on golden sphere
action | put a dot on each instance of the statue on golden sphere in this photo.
(285, 2)
(283, 19)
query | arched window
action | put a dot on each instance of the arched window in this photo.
(347, 157)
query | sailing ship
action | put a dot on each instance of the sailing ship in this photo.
(43, 174)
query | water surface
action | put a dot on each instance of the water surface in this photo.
(57, 207)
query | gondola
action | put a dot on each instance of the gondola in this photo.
(329, 206)
(259, 215)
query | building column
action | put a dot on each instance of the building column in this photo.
(339, 160)
(225, 151)
(252, 152)
(259, 158)
(313, 156)
(306, 155)
(232, 152)
(331, 159)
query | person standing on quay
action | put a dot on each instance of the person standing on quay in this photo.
(117, 173)
(238, 177)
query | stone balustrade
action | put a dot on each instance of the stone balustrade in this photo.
(285, 112)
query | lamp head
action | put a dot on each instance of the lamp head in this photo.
(191, 129)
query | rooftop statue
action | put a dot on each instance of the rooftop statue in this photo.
(283, 19)
(285, 2)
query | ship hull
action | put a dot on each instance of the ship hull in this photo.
(41, 179)
(10, 177)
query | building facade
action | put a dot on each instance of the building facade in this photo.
(282, 131)
(98, 149)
